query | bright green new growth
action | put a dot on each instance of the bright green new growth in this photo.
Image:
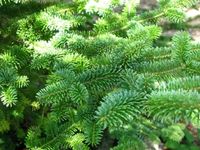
(95, 74)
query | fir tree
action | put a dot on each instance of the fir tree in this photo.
(85, 74)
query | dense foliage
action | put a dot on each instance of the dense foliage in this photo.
(84, 75)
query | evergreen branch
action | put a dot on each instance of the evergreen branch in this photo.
(117, 108)
(186, 83)
(165, 105)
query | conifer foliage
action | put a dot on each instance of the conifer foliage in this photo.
(82, 75)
